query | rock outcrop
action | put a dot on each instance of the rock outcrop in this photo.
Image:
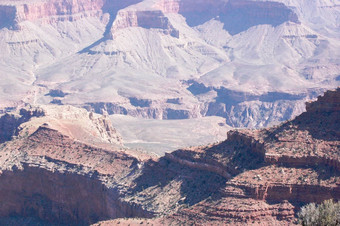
(298, 161)
(254, 177)
(168, 43)
(15, 12)
(52, 177)
(52, 158)
(145, 109)
(145, 19)
(236, 15)
(64, 165)
(240, 109)
(12, 13)
(10, 122)
(74, 122)
(329, 102)
(268, 173)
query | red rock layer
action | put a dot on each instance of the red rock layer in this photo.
(54, 178)
(329, 102)
(296, 163)
(254, 177)
(180, 6)
(144, 19)
(56, 10)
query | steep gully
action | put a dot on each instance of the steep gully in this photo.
(112, 9)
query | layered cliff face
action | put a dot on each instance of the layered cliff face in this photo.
(54, 178)
(248, 13)
(143, 19)
(268, 174)
(81, 200)
(20, 11)
(237, 16)
(297, 161)
(64, 165)
(95, 51)
(253, 63)
(254, 177)
(74, 122)
(178, 6)
(329, 102)
(13, 13)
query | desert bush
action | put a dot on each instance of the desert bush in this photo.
(324, 214)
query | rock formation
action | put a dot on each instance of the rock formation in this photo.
(144, 19)
(215, 55)
(52, 165)
(294, 163)
(74, 122)
(269, 173)
(253, 63)
(236, 15)
(20, 11)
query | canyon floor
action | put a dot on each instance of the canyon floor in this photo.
(161, 136)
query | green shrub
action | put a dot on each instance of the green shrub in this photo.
(325, 214)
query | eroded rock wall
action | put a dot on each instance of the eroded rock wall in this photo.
(62, 197)
(329, 102)
(9, 122)
(145, 19)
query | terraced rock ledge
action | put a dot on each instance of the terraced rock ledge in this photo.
(253, 177)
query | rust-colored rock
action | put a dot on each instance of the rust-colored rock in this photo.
(270, 173)
(329, 102)
(254, 177)
(145, 19)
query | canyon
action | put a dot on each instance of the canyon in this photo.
(167, 112)
(266, 174)
(56, 157)
(253, 63)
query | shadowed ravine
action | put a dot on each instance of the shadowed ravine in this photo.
(112, 9)
(63, 198)
(238, 16)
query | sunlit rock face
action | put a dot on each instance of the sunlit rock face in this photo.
(19, 11)
(254, 63)
(268, 173)
(56, 10)
(144, 19)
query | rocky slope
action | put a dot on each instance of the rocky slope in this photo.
(73, 122)
(57, 179)
(63, 165)
(268, 174)
(254, 63)
(255, 176)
